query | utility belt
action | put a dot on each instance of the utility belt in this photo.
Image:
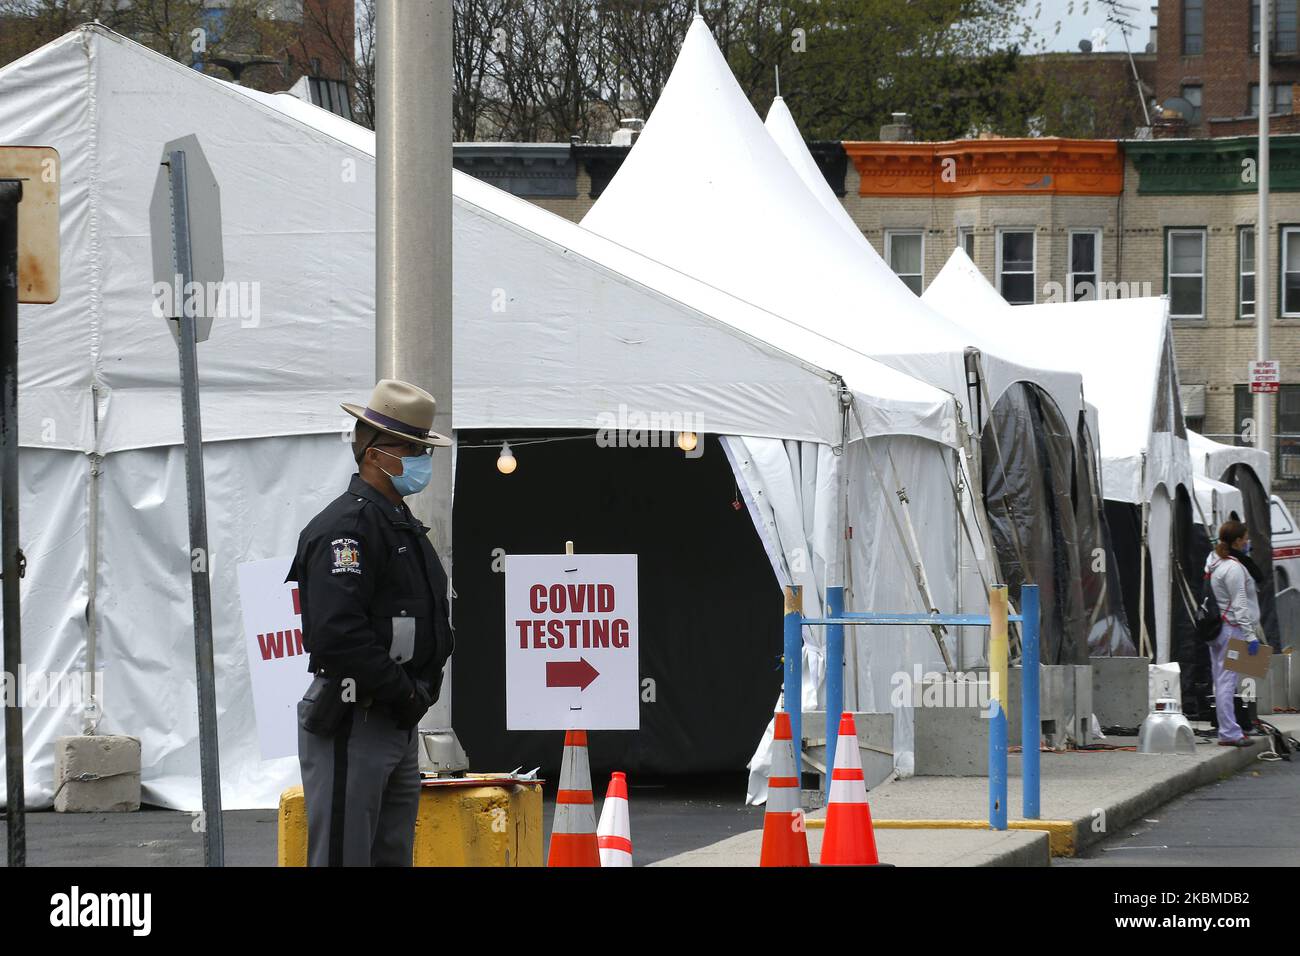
(327, 709)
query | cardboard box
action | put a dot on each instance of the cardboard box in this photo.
(1238, 658)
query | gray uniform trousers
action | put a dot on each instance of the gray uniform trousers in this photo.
(362, 790)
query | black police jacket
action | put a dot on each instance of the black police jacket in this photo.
(374, 597)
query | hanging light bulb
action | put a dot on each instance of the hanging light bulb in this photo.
(506, 460)
(687, 441)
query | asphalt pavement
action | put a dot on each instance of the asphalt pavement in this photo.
(1251, 818)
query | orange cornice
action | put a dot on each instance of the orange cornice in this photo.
(972, 167)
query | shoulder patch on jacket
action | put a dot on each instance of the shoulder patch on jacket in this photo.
(347, 556)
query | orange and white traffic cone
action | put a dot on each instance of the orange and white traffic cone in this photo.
(848, 839)
(785, 841)
(573, 832)
(614, 834)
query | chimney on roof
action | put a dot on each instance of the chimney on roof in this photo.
(628, 131)
(897, 131)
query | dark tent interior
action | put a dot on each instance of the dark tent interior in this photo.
(710, 606)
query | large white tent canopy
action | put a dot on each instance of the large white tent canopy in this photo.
(586, 327)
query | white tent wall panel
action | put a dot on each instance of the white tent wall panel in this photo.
(261, 492)
(53, 525)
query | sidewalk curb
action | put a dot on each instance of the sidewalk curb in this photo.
(1132, 807)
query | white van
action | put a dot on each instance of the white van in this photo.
(1286, 546)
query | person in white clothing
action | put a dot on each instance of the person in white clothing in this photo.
(1234, 590)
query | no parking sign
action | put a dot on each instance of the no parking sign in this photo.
(571, 642)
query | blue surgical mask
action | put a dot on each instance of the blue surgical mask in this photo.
(416, 472)
(1246, 549)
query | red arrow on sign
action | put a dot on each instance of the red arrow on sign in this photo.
(577, 673)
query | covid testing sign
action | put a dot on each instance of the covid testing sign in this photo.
(571, 642)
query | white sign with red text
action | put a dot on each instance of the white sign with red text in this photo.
(1265, 377)
(571, 642)
(277, 661)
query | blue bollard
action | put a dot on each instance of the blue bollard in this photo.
(1030, 726)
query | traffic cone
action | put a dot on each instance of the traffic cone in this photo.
(614, 834)
(573, 832)
(848, 839)
(785, 842)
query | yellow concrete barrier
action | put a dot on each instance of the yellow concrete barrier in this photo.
(1060, 833)
(457, 825)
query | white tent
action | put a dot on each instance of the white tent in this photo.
(1213, 459)
(1123, 348)
(586, 327)
(1091, 612)
(1216, 502)
(707, 190)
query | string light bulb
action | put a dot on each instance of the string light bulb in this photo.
(506, 463)
(687, 441)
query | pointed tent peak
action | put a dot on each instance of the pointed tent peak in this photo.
(784, 130)
(960, 287)
(708, 192)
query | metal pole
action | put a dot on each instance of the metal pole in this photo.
(834, 676)
(413, 305)
(1263, 315)
(1030, 727)
(998, 648)
(209, 759)
(11, 194)
(793, 684)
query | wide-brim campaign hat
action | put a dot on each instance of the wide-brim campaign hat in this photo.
(402, 410)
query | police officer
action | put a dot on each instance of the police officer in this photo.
(376, 622)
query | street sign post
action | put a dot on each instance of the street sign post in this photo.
(181, 195)
(189, 293)
(1265, 377)
(571, 633)
(29, 272)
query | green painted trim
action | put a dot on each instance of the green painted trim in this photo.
(1189, 167)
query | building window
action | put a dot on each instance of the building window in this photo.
(1185, 273)
(1085, 264)
(1246, 266)
(1193, 27)
(905, 253)
(1283, 34)
(1286, 434)
(1016, 266)
(1279, 101)
(966, 240)
(1291, 272)
(1192, 93)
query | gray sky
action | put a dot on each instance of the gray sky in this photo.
(1078, 19)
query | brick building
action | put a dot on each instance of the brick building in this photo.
(1208, 54)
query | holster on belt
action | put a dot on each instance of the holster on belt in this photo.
(326, 709)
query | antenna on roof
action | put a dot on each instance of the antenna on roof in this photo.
(778, 80)
(697, 7)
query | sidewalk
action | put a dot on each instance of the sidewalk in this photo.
(1096, 792)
